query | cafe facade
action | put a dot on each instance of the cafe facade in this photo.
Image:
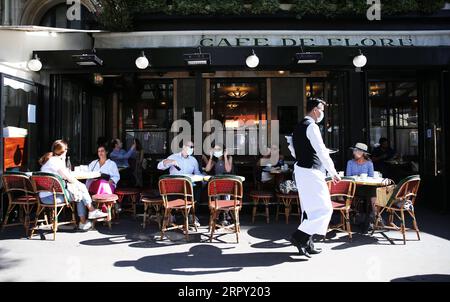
(90, 86)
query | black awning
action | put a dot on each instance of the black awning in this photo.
(233, 58)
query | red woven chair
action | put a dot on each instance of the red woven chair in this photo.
(21, 194)
(177, 194)
(342, 194)
(402, 200)
(225, 195)
(49, 182)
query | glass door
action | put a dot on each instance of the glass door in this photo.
(433, 149)
(394, 132)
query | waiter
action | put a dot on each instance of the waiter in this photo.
(313, 159)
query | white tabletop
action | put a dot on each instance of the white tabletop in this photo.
(85, 174)
(198, 178)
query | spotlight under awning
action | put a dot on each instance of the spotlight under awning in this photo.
(308, 57)
(90, 59)
(197, 59)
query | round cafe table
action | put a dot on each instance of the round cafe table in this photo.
(85, 175)
(280, 175)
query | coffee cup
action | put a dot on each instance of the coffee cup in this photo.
(363, 175)
(341, 173)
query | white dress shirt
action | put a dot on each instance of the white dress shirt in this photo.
(315, 137)
(188, 165)
(109, 167)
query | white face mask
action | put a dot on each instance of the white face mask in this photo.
(218, 154)
(189, 151)
(321, 116)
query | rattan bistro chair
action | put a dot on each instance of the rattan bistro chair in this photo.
(225, 195)
(21, 194)
(402, 200)
(342, 194)
(49, 182)
(177, 194)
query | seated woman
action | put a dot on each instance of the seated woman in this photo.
(108, 169)
(361, 164)
(219, 162)
(54, 162)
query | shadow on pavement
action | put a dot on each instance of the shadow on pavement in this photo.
(205, 259)
(424, 278)
(273, 237)
(6, 263)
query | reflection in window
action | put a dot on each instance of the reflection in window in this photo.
(15, 98)
(394, 114)
(237, 105)
(150, 116)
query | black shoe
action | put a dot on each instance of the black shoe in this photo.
(302, 249)
(310, 248)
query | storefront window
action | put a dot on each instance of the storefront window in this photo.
(18, 102)
(150, 116)
(238, 104)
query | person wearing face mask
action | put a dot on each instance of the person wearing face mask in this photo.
(219, 162)
(361, 164)
(312, 159)
(184, 163)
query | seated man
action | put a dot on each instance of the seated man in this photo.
(183, 163)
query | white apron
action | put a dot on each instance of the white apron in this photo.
(314, 200)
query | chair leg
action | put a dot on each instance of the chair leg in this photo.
(237, 226)
(266, 203)
(287, 209)
(55, 222)
(416, 228)
(213, 227)
(8, 212)
(186, 223)
(193, 217)
(255, 204)
(165, 221)
(38, 213)
(403, 226)
(347, 225)
(145, 215)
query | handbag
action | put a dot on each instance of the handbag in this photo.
(105, 176)
(384, 194)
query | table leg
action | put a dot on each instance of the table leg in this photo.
(108, 219)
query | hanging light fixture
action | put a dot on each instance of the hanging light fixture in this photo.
(252, 60)
(35, 63)
(142, 61)
(360, 60)
(237, 94)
